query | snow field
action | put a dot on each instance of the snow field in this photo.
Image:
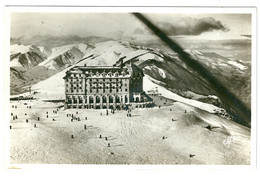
(16, 48)
(133, 140)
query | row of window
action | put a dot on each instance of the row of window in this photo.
(108, 74)
(77, 86)
(97, 90)
(98, 99)
(72, 80)
(105, 80)
(116, 74)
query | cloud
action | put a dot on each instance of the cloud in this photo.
(189, 26)
(139, 31)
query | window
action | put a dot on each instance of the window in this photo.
(126, 90)
(80, 100)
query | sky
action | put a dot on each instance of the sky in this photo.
(118, 25)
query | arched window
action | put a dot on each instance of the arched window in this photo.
(75, 100)
(80, 100)
(117, 99)
(110, 99)
(69, 100)
(91, 99)
(97, 99)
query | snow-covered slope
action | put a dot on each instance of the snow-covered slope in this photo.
(15, 63)
(19, 49)
(51, 88)
(106, 53)
(150, 83)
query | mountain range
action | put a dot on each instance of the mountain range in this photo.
(34, 61)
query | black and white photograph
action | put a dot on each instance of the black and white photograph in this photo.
(134, 87)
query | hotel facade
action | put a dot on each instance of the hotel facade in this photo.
(105, 87)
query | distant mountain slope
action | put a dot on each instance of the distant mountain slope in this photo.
(25, 56)
(63, 56)
(33, 65)
(55, 41)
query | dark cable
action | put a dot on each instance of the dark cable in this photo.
(241, 110)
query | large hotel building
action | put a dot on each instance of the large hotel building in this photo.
(105, 87)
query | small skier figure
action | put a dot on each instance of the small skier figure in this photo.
(191, 155)
(163, 137)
